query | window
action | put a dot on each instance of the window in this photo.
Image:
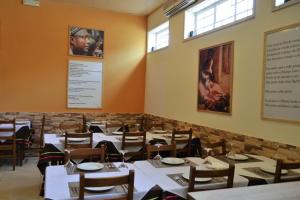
(158, 37)
(213, 14)
(283, 3)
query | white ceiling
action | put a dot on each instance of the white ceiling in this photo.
(136, 7)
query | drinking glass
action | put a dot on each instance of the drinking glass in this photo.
(60, 132)
(137, 127)
(123, 152)
(152, 130)
(231, 152)
(207, 151)
(158, 156)
(69, 163)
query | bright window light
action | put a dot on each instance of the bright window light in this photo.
(212, 14)
(282, 3)
(158, 37)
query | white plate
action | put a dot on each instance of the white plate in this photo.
(90, 166)
(187, 177)
(95, 122)
(238, 157)
(132, 138)
(117, 133)
(216, 166)
(77, 139)
(99, 189)
(176, 136)
(159, 131)
(21, 122)
(173, 161)
(272, 170)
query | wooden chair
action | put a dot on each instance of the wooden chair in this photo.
(141, 142)
(142, 121)
(186, 140)
(210, 174)
(280, 165)
(152, 148)
(42, 133)
(154, 125)
(86, 153)
(84, 126)
(8, 134)
(86, 136)
(108, 181)
(218, 148)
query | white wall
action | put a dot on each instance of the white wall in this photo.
(172, 75)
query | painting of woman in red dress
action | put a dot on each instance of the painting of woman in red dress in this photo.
(215, 77)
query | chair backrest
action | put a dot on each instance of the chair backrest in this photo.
(142, 121)
(139, 143)
(194, 173)
(86, 153)
(153, 148)
(219, 148)
(84, 126)
(182, 137)
(113, 126)
(87, 140)
(108, 181)
(42, 132)
(8, 132)
(9, 126)
(280, 165)
(155, 125)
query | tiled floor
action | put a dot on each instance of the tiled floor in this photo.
(23, 183)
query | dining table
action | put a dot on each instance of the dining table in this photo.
(170, 175)
(278, 191)
(53, 150)
(173, 177)
(61, 183)
(256, 168)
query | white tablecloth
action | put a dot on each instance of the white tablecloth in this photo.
(58, 142)
(159, 176)
(19, 125)
(280, 191)
(265, 162)
(56, 182)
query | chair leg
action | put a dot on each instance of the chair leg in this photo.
(42, 191)
(19, 155)
(22, 154)
(14, 163)
(14, 157)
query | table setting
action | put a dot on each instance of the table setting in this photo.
(172, 174)
(60, 185)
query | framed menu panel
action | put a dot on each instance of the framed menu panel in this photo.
(281, 93)
(84, 84)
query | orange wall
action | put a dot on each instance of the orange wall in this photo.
(34, 57)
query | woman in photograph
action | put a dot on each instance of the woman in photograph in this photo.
(212, 96)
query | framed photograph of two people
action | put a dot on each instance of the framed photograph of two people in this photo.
(86, 42)
(215, 78)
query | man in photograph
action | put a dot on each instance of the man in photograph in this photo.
(80, 41)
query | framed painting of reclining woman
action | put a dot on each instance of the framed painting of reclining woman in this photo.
(215, 78)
